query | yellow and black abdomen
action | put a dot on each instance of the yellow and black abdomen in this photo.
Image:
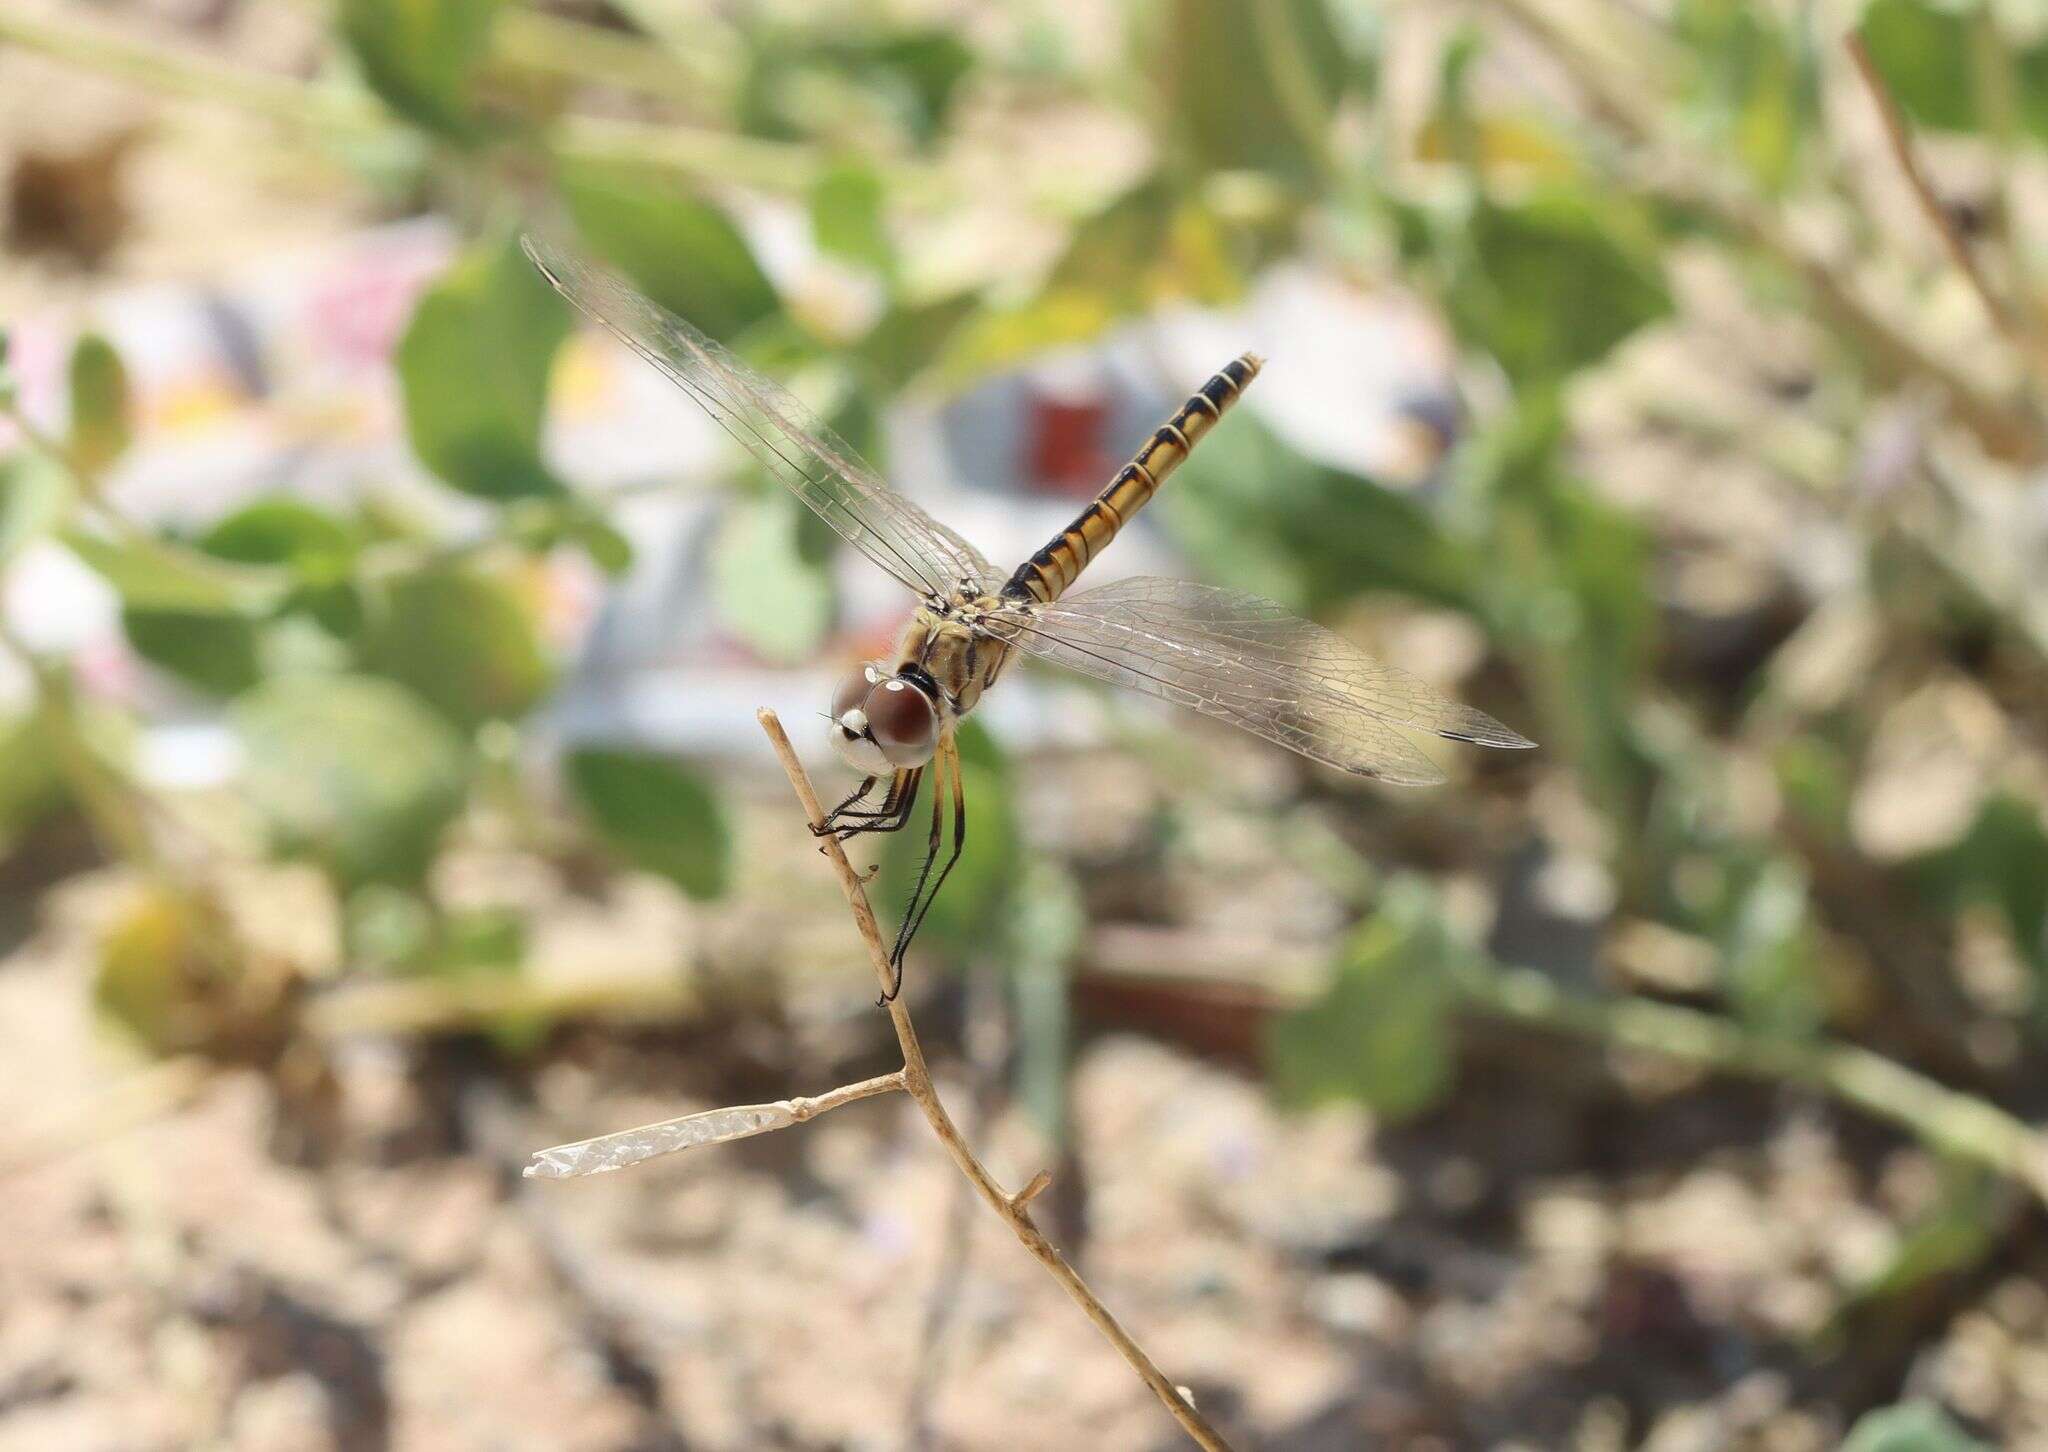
(1047, 574)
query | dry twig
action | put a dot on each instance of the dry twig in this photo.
(611, 1152)
(1901, 142)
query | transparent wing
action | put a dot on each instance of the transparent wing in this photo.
(1252, 663)
(789, 441)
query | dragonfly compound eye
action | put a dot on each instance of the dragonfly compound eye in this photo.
(903, 722)
(852, 693)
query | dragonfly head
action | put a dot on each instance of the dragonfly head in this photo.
(882, 723)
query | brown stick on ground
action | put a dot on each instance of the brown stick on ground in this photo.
(1014, 1210)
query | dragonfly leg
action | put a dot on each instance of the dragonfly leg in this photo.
(819, 829)
(893, 814)
(913, 917)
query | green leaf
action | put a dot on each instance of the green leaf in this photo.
(914, 72)
(1769, 954)
(1554, 282)
(968, 915)
(422, 57)
(769, 593)
(35, 492)
(907, 340)
(215, 653)
(474, 367)
(1915, 1426)
(681, 251)
(463, 639)
(846, 216)
(151, 574)
(1952, 1236)
(487, 941)
(1381, 1032)
(1253, 513)
(385, 927)
(2001, 862)
(319, 550)
(1157, 244)
(1752, 90)
(990, 342)
(32, 783)
(168, 974)
(1817, 783)
(224, 654)
(100, 427)
(1924, 51)
(655, 813)
(1154, 243)
(544, 524)
(355, 773)
(280, 530)
(924, 67)
(1247, 87)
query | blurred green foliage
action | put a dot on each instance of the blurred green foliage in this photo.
(1381, 1033)
(1943, 65)
(1916, 1426)
(423, 57)
(474, 365)
(352, 771)
(680, 250)
(100, 431)
(656, 814)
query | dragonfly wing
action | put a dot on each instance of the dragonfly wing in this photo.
(1252, 663)
(788, 440)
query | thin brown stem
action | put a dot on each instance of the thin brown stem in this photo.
(1900, 140)
(1013, 1211)
(1037, 1187)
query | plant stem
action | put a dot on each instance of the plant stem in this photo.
(1945, 1120)
(324, 112)
(162, 68)
(1998, 83)
(1901, 143)
(114, 806)
(1014, 1210)
(539, 41)
(1954, 1123)
(422, 1006)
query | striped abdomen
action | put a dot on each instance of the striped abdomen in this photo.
(1047, 574)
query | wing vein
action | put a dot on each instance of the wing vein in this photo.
(801, 452)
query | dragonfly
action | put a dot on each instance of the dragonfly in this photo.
(1221, 652)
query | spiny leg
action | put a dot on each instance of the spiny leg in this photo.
(845, 808)
(924, 872)
(913, 917)
(894, 813)
(886, 818)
